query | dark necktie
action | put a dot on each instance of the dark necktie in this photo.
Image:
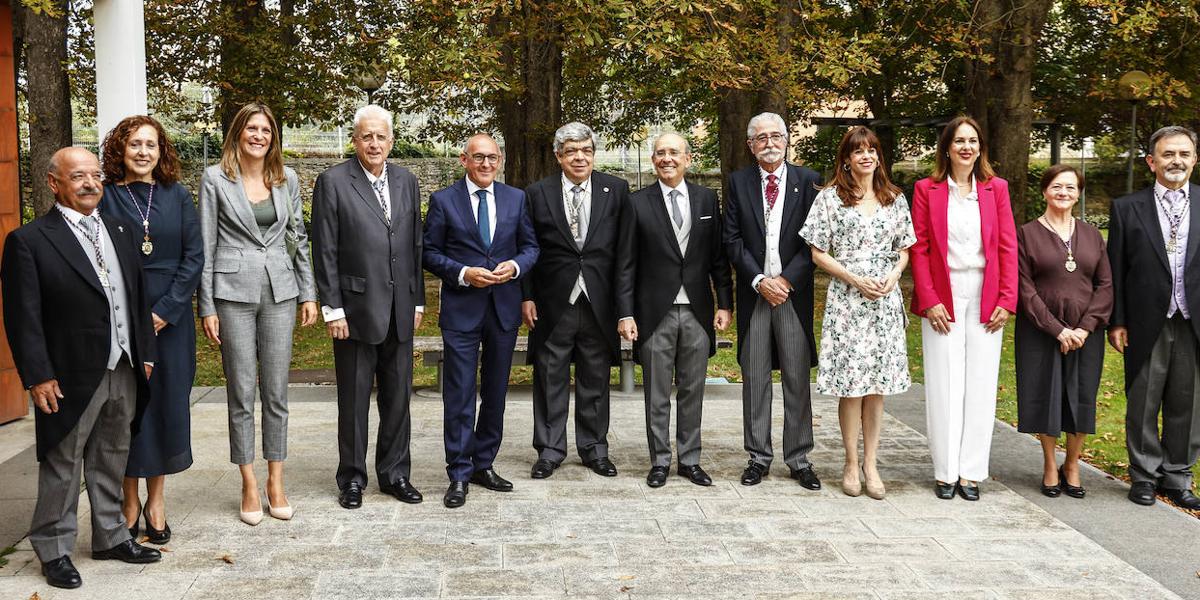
(485, 220)
(676, 214)
(772, 192)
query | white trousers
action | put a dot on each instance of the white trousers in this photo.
(961, 370)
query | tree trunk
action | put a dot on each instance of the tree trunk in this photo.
(238, 60)
(531, 111)
(43, 42)
(1000, 94)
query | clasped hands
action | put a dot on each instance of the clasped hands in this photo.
(874, 289)
(774, 290)
(1071, 339)
(480, 277)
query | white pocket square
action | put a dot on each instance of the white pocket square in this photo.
(705, 217)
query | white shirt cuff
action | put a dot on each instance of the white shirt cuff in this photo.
(757, 278)
(332, 314)
(462, 277)
(421, 309)
(625, 319)
(516, 268)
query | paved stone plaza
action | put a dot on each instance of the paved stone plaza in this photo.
(580, 535)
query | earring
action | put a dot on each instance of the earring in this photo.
(845, 166)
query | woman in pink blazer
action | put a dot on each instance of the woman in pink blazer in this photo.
(964, 269)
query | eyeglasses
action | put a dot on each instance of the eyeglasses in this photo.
(665, 152)
(763, 138)
(491, 159)
(380, 138)
(586, 151)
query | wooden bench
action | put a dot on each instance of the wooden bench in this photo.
(432, 355)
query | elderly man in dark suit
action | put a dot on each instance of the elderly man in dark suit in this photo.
(478, 241)
(671, 262)
(767, 205)
(367, 257)
(83, 343)
(1153, 242)
(569, 302)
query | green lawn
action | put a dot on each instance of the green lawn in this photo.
(1106, 449)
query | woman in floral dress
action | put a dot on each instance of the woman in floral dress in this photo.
(860, 231)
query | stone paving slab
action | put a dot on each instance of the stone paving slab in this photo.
(578, 535)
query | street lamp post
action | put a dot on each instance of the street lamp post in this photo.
(373, 77)
(1133, 85)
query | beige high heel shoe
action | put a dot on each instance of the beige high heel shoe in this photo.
(283, 513)
(851, 487)
(253, 517)
(875, 489)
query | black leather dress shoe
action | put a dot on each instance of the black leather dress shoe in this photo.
(754, 473)
(351, 495)
(944, 491)
(456, 494)
(402, 490)
(657, 476)
(1073, 491)
(1142, 493)
(157, 536)
(1182, 498)
(60, 573)
(807, 478)
(543, 468)
(489, 479)
(967, 492)
(602, 466)
(695, 474)
(128, 551)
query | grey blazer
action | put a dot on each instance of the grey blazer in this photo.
(237, 256)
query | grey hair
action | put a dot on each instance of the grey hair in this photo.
(767, 116)
(373, 111)
(1171, 131)
(488, 135)
(574, 132)
(686, 144)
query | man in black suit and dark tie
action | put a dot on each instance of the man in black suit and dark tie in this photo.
(83, 344)
(366, 232)
(569, 302)
(671, 261)
(1153, 242)
(478, 241)
(767, 205)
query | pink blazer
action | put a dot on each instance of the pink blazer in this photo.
(930, 273)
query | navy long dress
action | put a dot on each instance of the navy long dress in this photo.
(172, 271)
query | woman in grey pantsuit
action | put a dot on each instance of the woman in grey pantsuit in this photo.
(255, 271)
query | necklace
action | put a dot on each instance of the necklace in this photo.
(1070, 265)
(147, 245)
(1174, 220)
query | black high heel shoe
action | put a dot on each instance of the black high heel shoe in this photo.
(157, 536)
(133, 531)
(1068, 489)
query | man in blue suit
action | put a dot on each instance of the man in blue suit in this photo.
(478, 241)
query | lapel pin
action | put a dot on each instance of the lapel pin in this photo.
(605, 190)
(121, 228)
(796, 190)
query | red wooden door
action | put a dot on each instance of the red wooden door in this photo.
(13, 403)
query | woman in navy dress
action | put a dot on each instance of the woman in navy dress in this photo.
(141, 173)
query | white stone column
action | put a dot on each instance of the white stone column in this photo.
(120, 62)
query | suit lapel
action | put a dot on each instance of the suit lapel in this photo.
(398, 195)
(58, 230)
(367, 193)
(1144, 207)
(600, 197)
(241, 207)
(939, 202)
(754, 181)
(695, 201)
(987, 211)
(557, 212)
(659, 209)
(462, 204)
(1193, 245)
(128, 266)
(792, 204)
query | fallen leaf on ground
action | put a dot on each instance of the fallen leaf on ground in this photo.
(626, 577)
(163, 549)
(227, 559)
(35, 596)
(625, 588)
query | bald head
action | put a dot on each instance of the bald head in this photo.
(481, 157)
(672, 156)
(75, 178)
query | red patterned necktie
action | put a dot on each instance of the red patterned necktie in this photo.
(772, 192)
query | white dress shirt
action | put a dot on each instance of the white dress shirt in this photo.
(965, 251)
(1178, 259)
(328, 313)
(682, 233)
(773, 219)
(586, 209)
(490, 190)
